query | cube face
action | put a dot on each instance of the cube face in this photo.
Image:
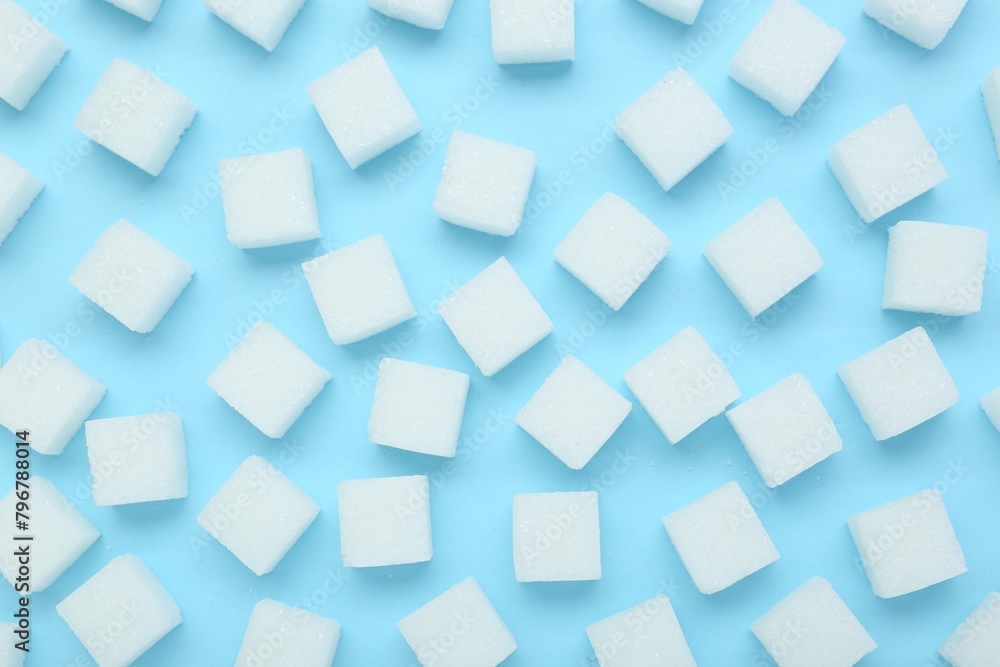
(294, 380)
(263, 21)
(923, 22)
(258, 514)
(612, 249)
(935, 268)
(991, 405)
(719, 539)
(136, 116)
(279, 635)
(9, 655)
(144, 9)
(385, 521)
(648, 634)
(673, 127)
(682, 384)
(417, 407)
(907, 545)
(532, 31)
(976, 641)
(132, 276)
(18, 189)
(573, 413)
(763, 257)
(900, 384)
(557, 537)
(886, 163)
(685, 11)
(28, 53)
(363, 107)
(484, 184)
(991, 97)
(431, 14)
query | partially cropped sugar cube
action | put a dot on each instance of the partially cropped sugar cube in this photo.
(268, 379)
(359, 290)
(484, 184)
(495, 318)
(573, 413)
(935, 268)
(991, 97)
(269, 199)
(812, 625)
(132, 276)
(908, 544)
(532, 31)
(720, 539)
(673, 127)
(886, 163)
(363, 107)
(682, 384)
(263, 21)
(557, 537)
(10, 655)
(763, 257)
(900, 384)
(120, 612)
(18, 189)
(42, 390)
(258, 514)
(976, 641)
(279, 635)
(991, 405)
(135, 115)
(29, 52)
(923, 22)
(431, 14)
(143, 9)
(385, 521)
(612, 249)
(647, 634)
(479, 638)
(418, 407)
(685, 11)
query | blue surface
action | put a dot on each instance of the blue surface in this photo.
(248, 98)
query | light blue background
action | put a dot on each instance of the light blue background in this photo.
(562, 113)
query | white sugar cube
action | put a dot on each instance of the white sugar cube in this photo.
(685, 11)
(495, 318)
(557, 537)
(137, 459)
(785, 430)
(431, 14)
(279, 635)
(484, 184)
(673, 127)
(682, 384)
(763, 257)
(923, 22)
(908, 544)
(363, 107)
(132, 276)
(11, 656)
(268, 379)
(144, 9)
(359, 290)
(991, 97)
(28, 53)
(991, 404)
(269, 199)
(812, 627)
(258, 514)
(935, 268)
(459, 628)
(647, 635)
(532, 31)
(120, 612)
(720, 539)
(976, 641)
(417, 407)
(61, 535)
(612, 249)
(900, 384)
(886, 163)
(573, 413)
(42, 390)
(263, 21)
(385, 521)
(18, 189)
(136, 116)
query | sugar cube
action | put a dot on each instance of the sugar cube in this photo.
(720, 539)
(991, 404)
(976, 641)
(28, 53)
(263, 21)
(459, 628)
(18, 189)
(132, 276)
(612, 249)
(900, 384)
(269, 199)
(647, 635)
(42, 390)
(812, 627)
(907, 544)
(363, 107)
(144, 9)
(431, 14)
(573, 413)
(11, 656)
(923, 22)
(685, 11)
(484, 184)
(279, 635)
(120, 612)
(673, 127)
(385, 521)
(258, 514)
(886, 163)
(61, 535)
(991, 97)
(532, 31)
(268, 379)
(682, 384)
(359, 290)
(557, 537)
(417, 407)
